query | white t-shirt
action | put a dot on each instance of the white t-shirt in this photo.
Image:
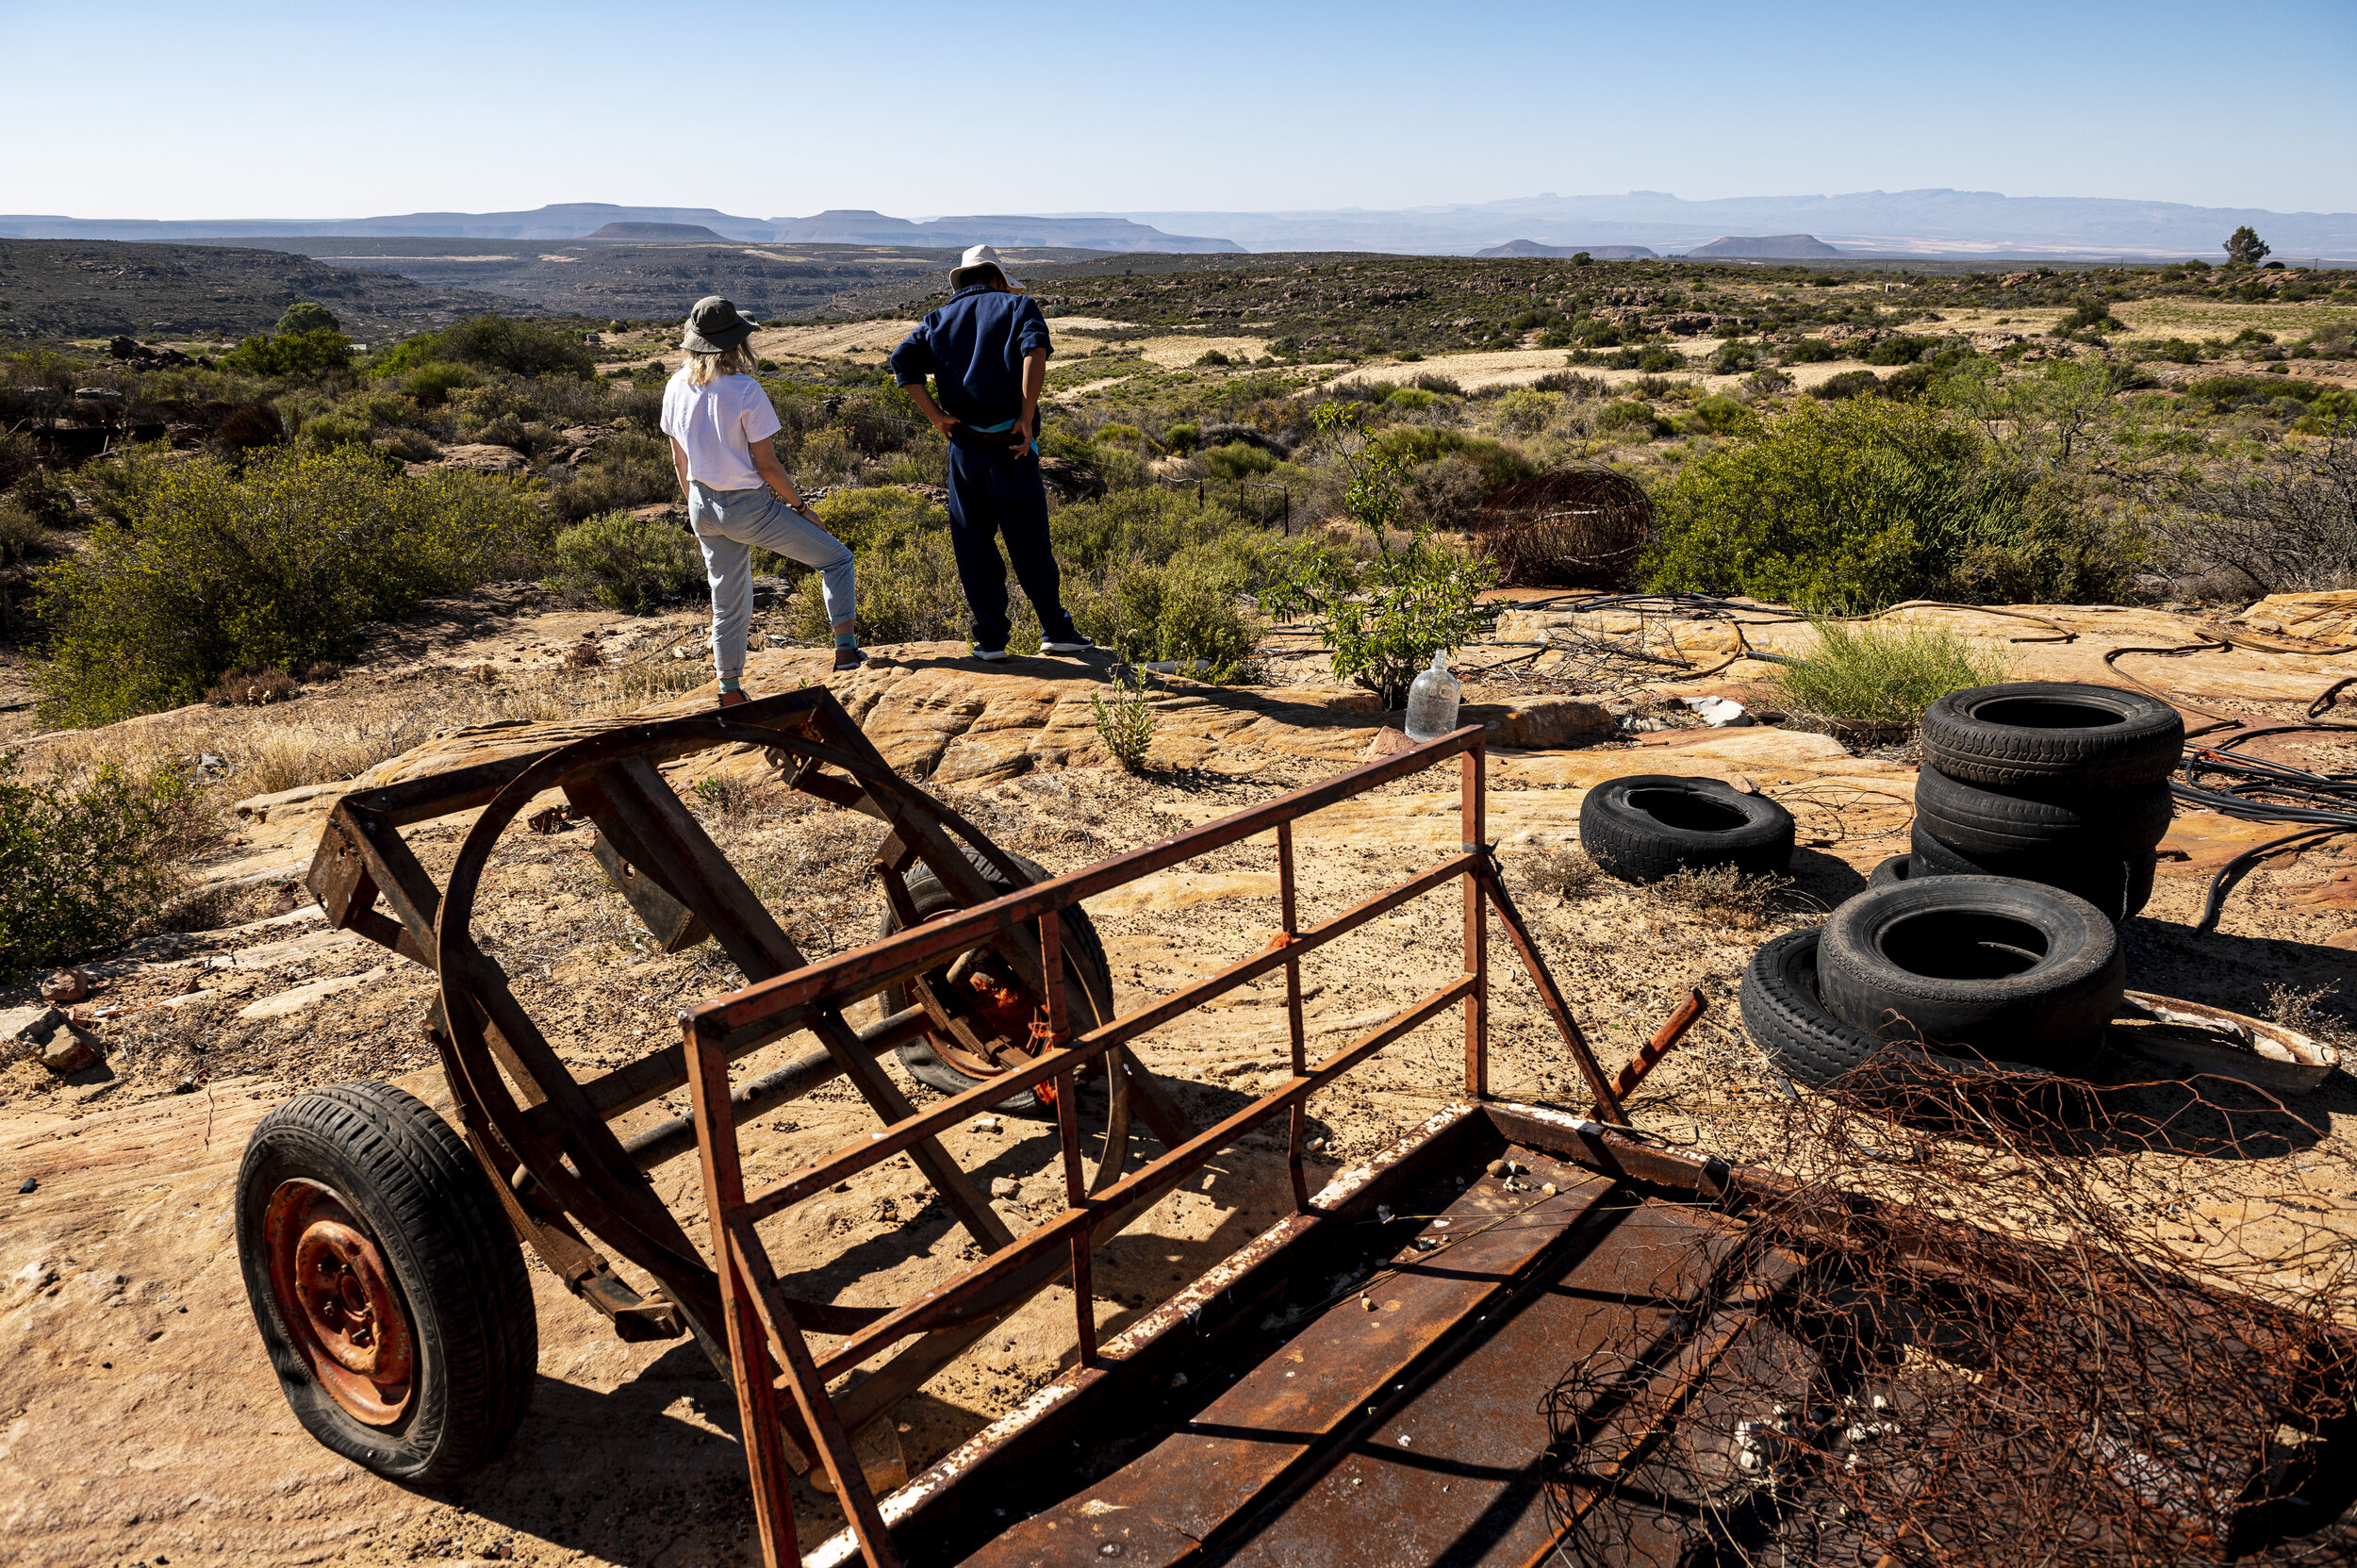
(718, 424)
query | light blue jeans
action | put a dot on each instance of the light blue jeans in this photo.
(729, 523)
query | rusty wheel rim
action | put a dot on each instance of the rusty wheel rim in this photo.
(337, 1299)
(1000, 1011)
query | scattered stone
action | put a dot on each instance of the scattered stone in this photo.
(27, 1029)
(30, 1184)
(1005, 1186)
(64, 986)
(68, 1051)
(189, 1086)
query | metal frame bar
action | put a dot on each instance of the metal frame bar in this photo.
(781, 1358)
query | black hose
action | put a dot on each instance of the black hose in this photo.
(2256, 789)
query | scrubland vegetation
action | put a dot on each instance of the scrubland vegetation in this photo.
(253, 516)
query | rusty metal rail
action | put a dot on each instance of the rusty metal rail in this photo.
(772, 1359)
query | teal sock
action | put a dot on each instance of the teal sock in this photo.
(731, 683)
(846, 639)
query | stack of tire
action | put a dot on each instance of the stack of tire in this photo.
(2047, 782)
(1989, 982)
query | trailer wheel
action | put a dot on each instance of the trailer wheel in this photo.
(1003, 1010)
(387, 1285)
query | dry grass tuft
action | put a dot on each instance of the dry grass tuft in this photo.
(1721, 896)
(2311, 1011)
(1564, 869)
(252, 689)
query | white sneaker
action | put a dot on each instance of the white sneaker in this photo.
(1075, 644)
(996, 656)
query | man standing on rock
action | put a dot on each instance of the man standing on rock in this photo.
(987, 349)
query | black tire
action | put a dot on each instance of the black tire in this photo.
(1644, 827)
(455, 1267)
(2118, 886)
(2052, 734)
(1087, 954)
(1786, 1016)
(1992, 963)
(1896, 868)
(1983, 823)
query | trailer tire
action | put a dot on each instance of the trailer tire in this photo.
(1648, 825)
(922, 1060)
(1992, 963)
(1784, 1014)
(368, 1233)
(2052, 734)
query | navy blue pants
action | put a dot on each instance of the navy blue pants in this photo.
(992, 497)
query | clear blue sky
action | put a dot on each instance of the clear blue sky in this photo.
(126, 109)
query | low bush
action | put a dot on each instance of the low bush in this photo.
(252, 689)
(1414, 399)
(908, 592)
(82, 864)
(1125, 725)
(1886, 675)
(431, 384)
(627, 562)
(1184, 609)
(1637, 418)
(1411, 444)
(1238, 460)
(1849, 384)
(879, 513)
(278, 562)
(631, 468)
(1737, 355)
(291, 354)
(1723, 416)
(1902, 350)
(494, 342)
(1812, 351)
(1526, 412)
(1856, 505)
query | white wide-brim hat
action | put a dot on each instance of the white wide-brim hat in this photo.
(977, 257)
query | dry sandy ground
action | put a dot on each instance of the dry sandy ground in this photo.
(138, 1421)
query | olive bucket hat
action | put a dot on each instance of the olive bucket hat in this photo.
(714, 327)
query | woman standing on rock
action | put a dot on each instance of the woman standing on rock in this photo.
(720, 422)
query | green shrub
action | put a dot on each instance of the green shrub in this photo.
(878, 514)
(1185, 609)
(908, 592)
(431, 384)
(627, 562)
(2228, 392)
(1633, 416)
(1736, 355)
(1656, 358)
(1723, 416)
(1382, 615)
(1814, 351)
(1210, 356)
(1901, 351)
(630, 469)
(1861, 505)
(81, 867)
(343, 427)
(1411, 444)
(1414, 399)
(291, 354)
(494, 342)
(1124, 726)
(1180, 438)
(307, 316)
(1849, 384)
(1877, 675)
(279, 563)
(1240, 460)
(1525, 411)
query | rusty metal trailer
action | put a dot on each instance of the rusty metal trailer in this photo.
(1378, 1378)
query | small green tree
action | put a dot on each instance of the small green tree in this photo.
(307, 316)
(291, 354)
(1384, 613)
(2244, 248)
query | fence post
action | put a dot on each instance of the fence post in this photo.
(1473, 820)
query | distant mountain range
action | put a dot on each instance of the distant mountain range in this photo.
(1932, 223)
(599, 221)
(1937, 222)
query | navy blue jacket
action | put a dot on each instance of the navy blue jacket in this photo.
(975, 345)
